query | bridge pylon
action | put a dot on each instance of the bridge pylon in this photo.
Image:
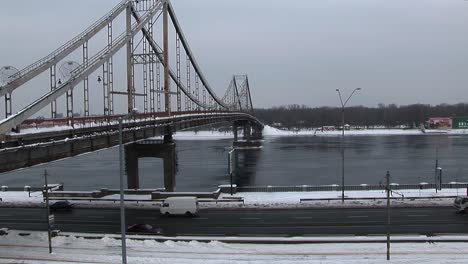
(152, 82)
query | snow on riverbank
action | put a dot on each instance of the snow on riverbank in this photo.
(325, 199)
(269, 131)
(72, 249)
(321, 199)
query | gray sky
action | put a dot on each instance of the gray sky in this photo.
(295, 52)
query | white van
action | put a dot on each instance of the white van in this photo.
(186, 205)
(461, 203)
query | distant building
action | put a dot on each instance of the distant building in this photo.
(277, 124)
(440, 122)
(328, 128)
(460, 122)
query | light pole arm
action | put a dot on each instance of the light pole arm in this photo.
(341, 100)
(356, 89)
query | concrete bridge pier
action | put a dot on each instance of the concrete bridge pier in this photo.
(164, 149)
(252, 134)
(247, 129)
(235, 128)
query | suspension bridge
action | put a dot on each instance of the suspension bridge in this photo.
(170, 94)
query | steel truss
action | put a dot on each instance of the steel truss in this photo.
(145, 14)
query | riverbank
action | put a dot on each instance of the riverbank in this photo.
(315, 199)
(269, 131)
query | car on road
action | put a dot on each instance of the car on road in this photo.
(184, 205)
(61, 206)
(144, 229)
(461, 203)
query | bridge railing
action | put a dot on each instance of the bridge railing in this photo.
(362, 187)
(95, 121)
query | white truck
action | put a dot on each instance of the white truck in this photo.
(184, 205)
(461, 203)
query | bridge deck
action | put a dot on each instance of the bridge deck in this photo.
(28, 149)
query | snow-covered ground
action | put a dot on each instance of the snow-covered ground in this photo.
(33, 249)
(269, 131)
(264, 199)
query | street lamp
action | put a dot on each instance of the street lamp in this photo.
(122, 207)
(230, 165)
(342, 137)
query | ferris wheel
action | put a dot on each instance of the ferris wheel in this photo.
(8, 74)
(66, 69)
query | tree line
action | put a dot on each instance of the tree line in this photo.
(389, 116)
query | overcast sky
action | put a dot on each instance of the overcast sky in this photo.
(295, 52)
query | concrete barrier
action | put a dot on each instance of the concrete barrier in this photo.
(164, 195)
(226, 188)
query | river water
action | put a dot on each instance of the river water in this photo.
(290, 160)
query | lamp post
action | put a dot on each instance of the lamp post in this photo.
(230, 166)
(121, 172)
(343, 104)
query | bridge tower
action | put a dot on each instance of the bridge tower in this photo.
(142, 29)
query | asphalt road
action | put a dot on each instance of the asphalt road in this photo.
(248, 222)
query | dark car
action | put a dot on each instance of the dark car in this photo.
(144, 229)
(61, 206)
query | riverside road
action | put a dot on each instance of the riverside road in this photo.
(250, 222)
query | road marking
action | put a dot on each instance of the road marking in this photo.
(195, 234)
(417, 215)
(200, 218)
(73, 222)
(146, 217)
(95, 216)
(250, 218)
(358, 216)
(6, 215)
(303, 217)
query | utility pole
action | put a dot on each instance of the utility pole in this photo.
(230, 166)
(128, 30)
(122, 206)
(342, 151)
(46, 190)
(343, 104)
(388, 214)
(436, 166)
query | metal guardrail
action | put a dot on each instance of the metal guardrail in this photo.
(236, 199)
(27, 188)
(363, 187)
(375, 198)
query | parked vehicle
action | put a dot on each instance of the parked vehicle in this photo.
(61, 206)
(187, 205)
(144, 229)
(461, 203)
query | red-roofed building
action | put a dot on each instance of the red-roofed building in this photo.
(440, 122)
